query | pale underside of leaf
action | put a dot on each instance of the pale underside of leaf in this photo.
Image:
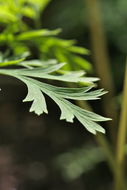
(60, 96)
(44, 73)
(34, 94)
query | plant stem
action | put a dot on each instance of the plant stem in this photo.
(101, 59)
(121, 140)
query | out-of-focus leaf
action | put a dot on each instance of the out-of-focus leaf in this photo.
(83, 63)
(28, 12)
(13, 62)
(38, 63)
(39, 4)
(6, 15)
(79, 161)
(37, 33)
(79, 50)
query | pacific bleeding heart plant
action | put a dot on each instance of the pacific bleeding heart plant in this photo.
(53, 59)
(60, 95)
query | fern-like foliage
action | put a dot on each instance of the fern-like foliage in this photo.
(60, 95)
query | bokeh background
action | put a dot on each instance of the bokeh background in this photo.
(43, 152)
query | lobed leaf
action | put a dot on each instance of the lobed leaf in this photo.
(60, 95)
(35, 95)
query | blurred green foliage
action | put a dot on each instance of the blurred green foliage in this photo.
(22, 37)
(72, 17)
(79, 161)
(19, 36)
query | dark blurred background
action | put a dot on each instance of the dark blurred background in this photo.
(43, 152)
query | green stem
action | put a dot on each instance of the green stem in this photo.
(101, 59)
(121, 140)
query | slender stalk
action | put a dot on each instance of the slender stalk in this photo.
(122, 134)
(101, 59)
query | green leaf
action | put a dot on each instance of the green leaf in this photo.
(76, 93)
(60, 95)
(28, 12)
(69, 110)
(38, 63)
(44, 73)
(6, 16)
(83, 63)
(39, 4)
(13, 62)
(35, 95)
(79, 50)
(36, 33)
